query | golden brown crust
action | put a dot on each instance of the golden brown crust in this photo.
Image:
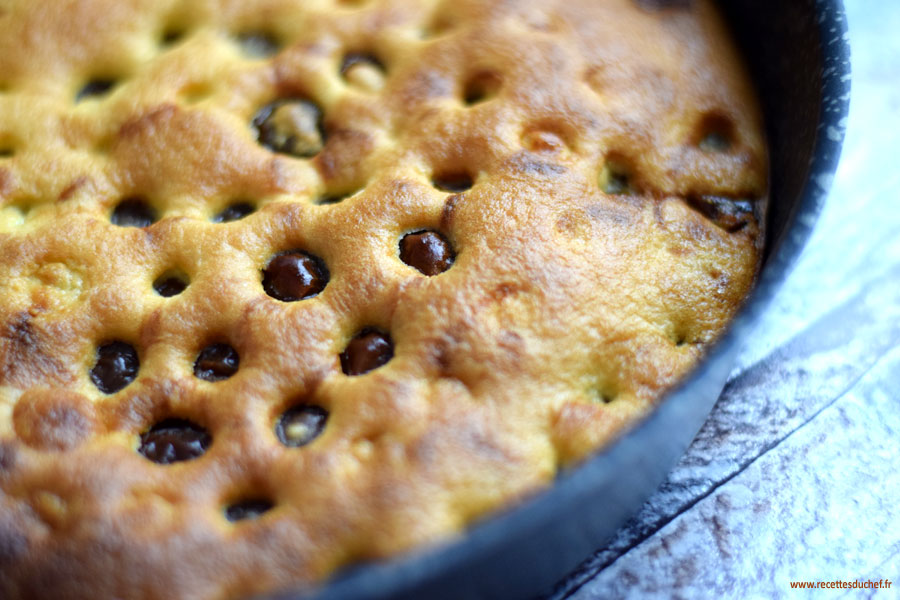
(565, 313)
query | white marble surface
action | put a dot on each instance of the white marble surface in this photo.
(796, 474)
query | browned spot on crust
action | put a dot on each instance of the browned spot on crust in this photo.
(423, 86)
(148, 121)
(342, 157)
(512, 342)
(504, 291)
(6, 181)
(608, 213)
(440, 356)
(73, 187)
(150, 404)
(449, 210)
(527, 164)
(680, 250)
(26, 354)
(49, 419)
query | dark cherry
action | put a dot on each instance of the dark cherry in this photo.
(216, 362)
(169, 286)
(294, 276)
(368, 350)
(300, 425)
(95, 87)
(427, 251)
(247, 509)
(174, 440)
(291, 127)
(453, 182)
(234, 212)
(133, 212)
(117, 365)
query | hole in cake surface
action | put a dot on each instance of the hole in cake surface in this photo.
(95, 88)
(295, 275)
(170, 284)
(291, 127)
(453, 181)
(172, 36)
(481, 87)
(300, 425)
(174, 440)
(6, 152)
(197, 91)
(234, 212)
(332, 198)
(440, 24)
(427, 251)
(133, 212)
(116, 366)
(248, 509)
(258, 44)
(730, 214)
(337, 196)
(368, 350)
(715, 134)
(216, 362)
(363, 70)
(601, 396)
(615, 178)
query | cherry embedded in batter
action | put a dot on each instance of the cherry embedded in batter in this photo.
(174, 440)
(117, 365)
(427, 251)
(247, 509)
(295, 275)
(216, 362)
(133, 212)
(369, 350)
(454, 182)
(300, 425)
(95, 87)
(169, 286)
(234, 212)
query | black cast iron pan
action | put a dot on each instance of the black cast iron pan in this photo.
(798, 56)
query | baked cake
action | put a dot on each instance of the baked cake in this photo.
(291, 285)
